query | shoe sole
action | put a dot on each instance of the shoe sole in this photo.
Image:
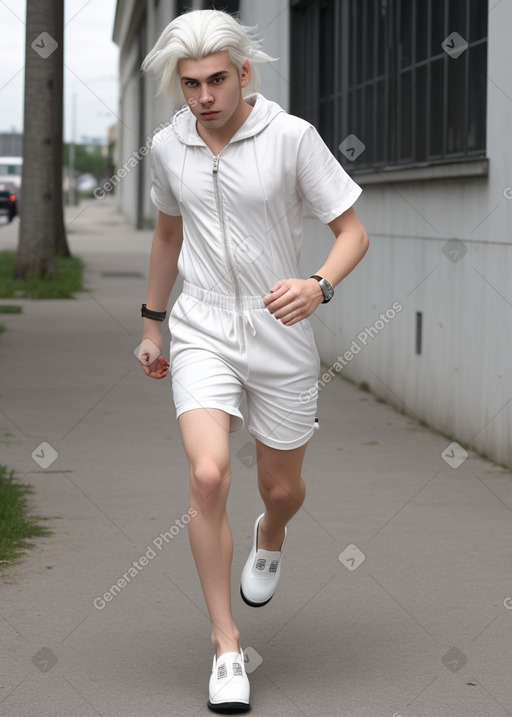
(253, 604)
(229, 708)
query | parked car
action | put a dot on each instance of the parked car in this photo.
(10, 174)
(8, 204)
(86, 183)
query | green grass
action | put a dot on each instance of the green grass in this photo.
(68, 282)
(2, 328)
(11, 309)
(17, 525)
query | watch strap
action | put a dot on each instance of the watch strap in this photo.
(321, 279)
(155, 315)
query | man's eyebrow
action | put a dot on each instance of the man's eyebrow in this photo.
(210, 77)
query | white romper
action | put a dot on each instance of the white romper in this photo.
(242, 232)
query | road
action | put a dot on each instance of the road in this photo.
(396, 595)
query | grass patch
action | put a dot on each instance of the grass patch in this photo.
(2, 328)
(68, 282)
(10, 309)
(17, 526)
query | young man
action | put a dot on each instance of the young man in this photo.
(230, 178)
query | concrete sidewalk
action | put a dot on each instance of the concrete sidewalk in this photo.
(396, 597)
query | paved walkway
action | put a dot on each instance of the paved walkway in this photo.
(396, 594)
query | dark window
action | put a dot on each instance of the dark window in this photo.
(231, 6)
(183, 6)
(408, 79)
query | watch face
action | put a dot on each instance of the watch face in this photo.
(327, 289)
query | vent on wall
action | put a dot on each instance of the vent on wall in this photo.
(419, 326)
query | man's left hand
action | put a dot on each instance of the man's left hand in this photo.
(292, 300)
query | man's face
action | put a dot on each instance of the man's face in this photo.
(212, 87)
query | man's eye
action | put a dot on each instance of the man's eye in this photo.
(218, 80)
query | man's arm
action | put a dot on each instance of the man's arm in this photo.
(163, 270)
(292, 300)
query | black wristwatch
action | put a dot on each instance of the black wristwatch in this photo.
(155, 315)
(326, 286)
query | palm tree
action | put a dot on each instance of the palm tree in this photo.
(42, 234)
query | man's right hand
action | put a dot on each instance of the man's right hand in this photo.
(153, 363)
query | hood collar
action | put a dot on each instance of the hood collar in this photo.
(264, 111)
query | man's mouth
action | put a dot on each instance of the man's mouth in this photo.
(209, 113)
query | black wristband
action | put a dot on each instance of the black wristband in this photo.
(155, 315)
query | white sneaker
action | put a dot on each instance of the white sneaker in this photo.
(229, 686)
(261, 573)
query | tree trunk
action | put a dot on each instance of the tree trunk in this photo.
(42, 234)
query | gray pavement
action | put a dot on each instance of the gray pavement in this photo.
(396, 594)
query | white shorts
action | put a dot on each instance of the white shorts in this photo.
(217, 352)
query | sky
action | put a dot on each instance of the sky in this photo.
(90, 72)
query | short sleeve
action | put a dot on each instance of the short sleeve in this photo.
(323, 184)
(161, 192)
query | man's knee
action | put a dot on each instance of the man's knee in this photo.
(282, 495)
(207, 478)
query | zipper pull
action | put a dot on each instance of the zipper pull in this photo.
(215, 165)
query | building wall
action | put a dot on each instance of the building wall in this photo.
(11, 144)
(128, 126)
(136, 28)
(461, 383)
(272, 19)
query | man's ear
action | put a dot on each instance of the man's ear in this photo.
(245, 73)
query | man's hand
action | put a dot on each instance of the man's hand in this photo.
(292, 300)
(153, 363)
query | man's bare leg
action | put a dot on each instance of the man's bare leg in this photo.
(282, 490)
(205, 436)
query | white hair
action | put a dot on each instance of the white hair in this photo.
(196, 34)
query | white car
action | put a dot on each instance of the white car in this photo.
(86, 183)
(10, 174)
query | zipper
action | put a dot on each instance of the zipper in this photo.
(225, 241)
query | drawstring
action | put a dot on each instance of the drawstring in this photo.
(182, 173)
(265, 197)
(248, 318)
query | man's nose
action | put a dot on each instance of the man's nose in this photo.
(206, 95)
